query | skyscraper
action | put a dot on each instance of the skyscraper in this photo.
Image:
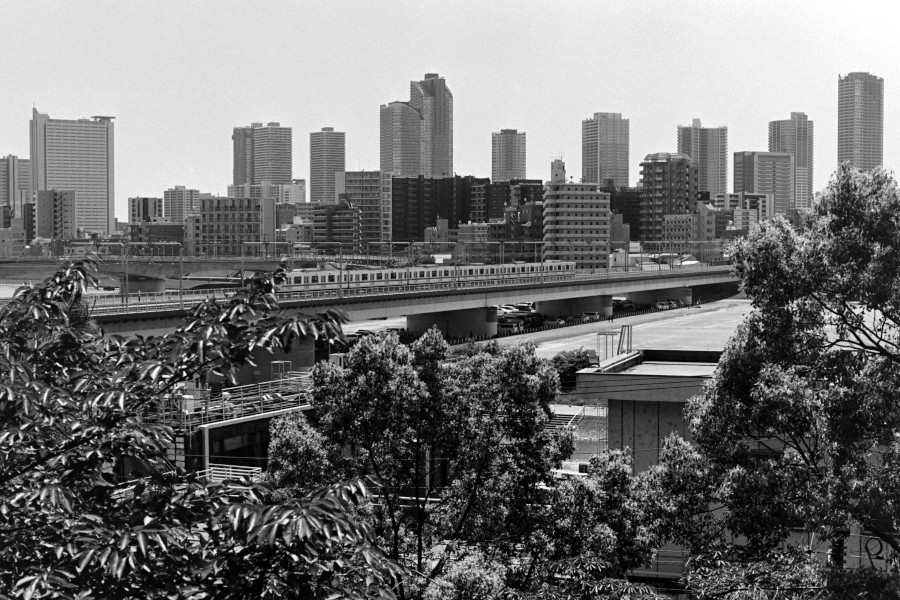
(707, 147)
(370, 191)
(507, 155)
(424, 123)
(327, 156)
(77, 156)
(861, 120)
(15, 183)
(795, 136)
(262, 153)
(604, 149)
(766, 173)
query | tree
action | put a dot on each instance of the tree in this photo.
(72, 403)
(459, 447)
(300, 459)
(800, 426)
(567, 363)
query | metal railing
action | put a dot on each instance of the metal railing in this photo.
(192, 407)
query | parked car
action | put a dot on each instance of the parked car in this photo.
(591, 316)
(661, 305)
(533, 320)
(510, 326)
(526, 307)
(554, 321)
(575, 319)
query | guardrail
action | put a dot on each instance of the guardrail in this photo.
(216, 473)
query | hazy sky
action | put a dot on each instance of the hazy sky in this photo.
(178, 76)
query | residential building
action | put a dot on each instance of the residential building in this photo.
(668, 187)
(417, 136)
(795, 136)
(327, 156)
(144, 209)
(292, 192)
(418, 202)
(77, 155)
(746, 208)
(15, 183)
(861, 120)
(707, 147)
(604, 149)
(370, 192)
(55, 214)
(507, 155)
(234, 226)
(626, 201)
(576, 221)
(179, 202)
(262, 153)
(766, 173)
(489, 200)
(338, 223)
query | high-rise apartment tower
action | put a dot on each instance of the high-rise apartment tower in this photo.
(327, 156)
(424, 123)
(795, 136)
(604, 149)
(766, 173)
(262, 153)
(861, 120)
(507, 155)
(707, 147)
(77, 156)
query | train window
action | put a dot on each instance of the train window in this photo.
(379, 276)
(532, 268)
(331, 278)
(365, 276)
(491, 271)
(296, 280)
(434, 274)
(481, 271)
(314, 279)
(393, 275)
(446, 273)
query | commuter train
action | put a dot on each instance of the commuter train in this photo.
(436, 275)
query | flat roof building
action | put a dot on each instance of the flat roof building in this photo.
(861, 120)
(77, 155)
(604, 149)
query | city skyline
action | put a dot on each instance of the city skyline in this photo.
(536, 88)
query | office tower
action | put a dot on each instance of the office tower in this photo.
(707, 147)
(78, 156)
(370, 192)
(861, 120)
(417, 136)
(327, 156)
(576, 221)
(507, 155)
(294, 192)
(144, 209)
(179, 202)
(604, 149)
(795, 136)
(668, 187)
(15, 183)
(262, 153)
(766, 173)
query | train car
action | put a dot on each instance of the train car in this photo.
(425, 277)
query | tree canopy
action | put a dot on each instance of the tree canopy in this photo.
(799, 430)
(73, 403)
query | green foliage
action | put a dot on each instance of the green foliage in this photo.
(567, 363)
(300, 459)
(472, 576)
(73, 403)
(459, 447)
(800, 426)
